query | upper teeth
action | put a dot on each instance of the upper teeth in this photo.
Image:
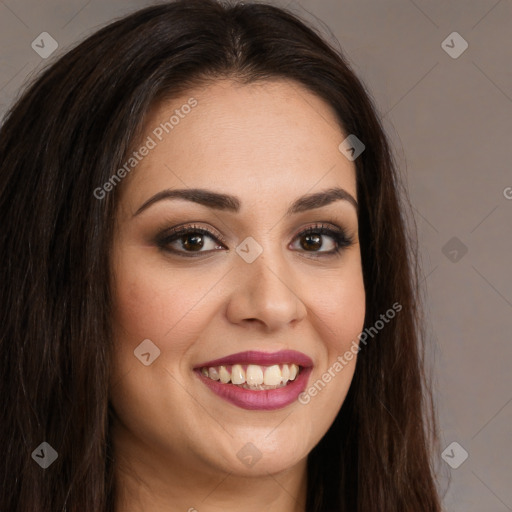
(254, 374)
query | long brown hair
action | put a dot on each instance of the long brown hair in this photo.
(66, 136)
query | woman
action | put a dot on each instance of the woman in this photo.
(209, 297)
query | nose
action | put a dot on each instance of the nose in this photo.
(266, 292)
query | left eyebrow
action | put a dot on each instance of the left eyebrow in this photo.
(231, 203)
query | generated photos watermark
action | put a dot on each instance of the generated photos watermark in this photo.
(343, 360)
(137, 156)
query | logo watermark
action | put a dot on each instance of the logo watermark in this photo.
(343, 360)
(150, 143)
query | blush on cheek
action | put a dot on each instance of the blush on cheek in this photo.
(139, 310)
(169, 314)
(341, 310)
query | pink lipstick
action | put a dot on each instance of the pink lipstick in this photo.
(256, 380)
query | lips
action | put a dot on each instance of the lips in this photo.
(247, 397)
(261, 358)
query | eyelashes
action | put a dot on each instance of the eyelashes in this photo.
(191, 238)
(316, 234)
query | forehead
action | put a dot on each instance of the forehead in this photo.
(265, 137)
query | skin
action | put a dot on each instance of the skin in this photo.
(175, 441)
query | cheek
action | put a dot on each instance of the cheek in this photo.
(151, 300)
(339, 309)
(167, 306)
(339, 306)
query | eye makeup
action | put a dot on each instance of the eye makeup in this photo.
(184, 233)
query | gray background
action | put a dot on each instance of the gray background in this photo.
(450, 121)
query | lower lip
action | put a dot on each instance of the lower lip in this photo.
(264, 400)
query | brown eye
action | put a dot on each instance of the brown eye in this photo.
(312, 240)
(189, 240)
(194, 241)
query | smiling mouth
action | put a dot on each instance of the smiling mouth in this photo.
(252, 376)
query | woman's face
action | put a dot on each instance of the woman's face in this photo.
(255, 284)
